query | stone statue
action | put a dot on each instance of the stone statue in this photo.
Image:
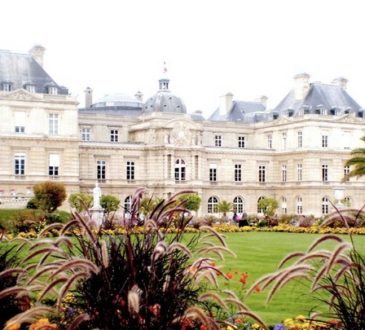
(96, 196)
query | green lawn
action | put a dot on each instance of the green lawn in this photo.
(259, 254)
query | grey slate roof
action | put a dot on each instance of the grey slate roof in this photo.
(243, 111)
(320, 96)
(164, 101)
(21, 69)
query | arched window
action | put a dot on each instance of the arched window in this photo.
(299, 205)
(213, 204)
(180, 170)
(284, 205)
(238, 205)
(325, 205)
(260, 210)
(128, 204)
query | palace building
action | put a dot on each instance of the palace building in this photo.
(243, 152)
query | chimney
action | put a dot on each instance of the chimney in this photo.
(88, 97)
(341, 82)
(301, 85)
(37, 53)
(225, 103)
(139, 96)
(262, 99)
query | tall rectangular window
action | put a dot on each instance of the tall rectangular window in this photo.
(269, 141)
(54, 165)
(100, 170)
(218, 140)
(237, 173)
(19, 122)
(346, 172)
(262, 173)
(324, 141)
(212, 172)
(196, 167)
(85, 134)
(241, 142)
(283, 173)
(324, 173)
(130, 170)
(53, 124)
(114, 135)
(299, 172)
(300, 139)
(284, 138)
(19, 164)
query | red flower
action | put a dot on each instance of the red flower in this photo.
(229, 275)
(257, 289)
(243, 278)
(203, 327)
(155, 309)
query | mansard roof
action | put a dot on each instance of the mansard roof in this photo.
(22, 69)
(319, 96)
(244, 111)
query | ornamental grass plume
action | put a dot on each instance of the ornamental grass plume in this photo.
(133, 279)
(339, 273)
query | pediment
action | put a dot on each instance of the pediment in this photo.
(22, 95)
(185, 123)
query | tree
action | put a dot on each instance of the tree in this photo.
(49, 195)
(80, 201)
(357, 162)
(224, 207)
(268, 205)
(148, 204)
(190, 201)
(109, 203)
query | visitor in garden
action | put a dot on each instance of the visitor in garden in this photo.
(243, 221)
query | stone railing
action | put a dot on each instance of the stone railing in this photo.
(13, 201)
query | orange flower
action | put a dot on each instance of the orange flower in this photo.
(203, 327)
(229, 275)
(257, 289)
(155, 309)
(238, 321)
(13, 326)
(43, 324)
(243, 278)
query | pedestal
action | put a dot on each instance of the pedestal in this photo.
(97, 216)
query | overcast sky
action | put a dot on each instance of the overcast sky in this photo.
(249, 48)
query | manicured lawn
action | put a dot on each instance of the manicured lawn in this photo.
(259, 254)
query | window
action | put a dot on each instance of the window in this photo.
(53, 124)
(19, 164)
(324, 141)
(299, 172)
(213, 172)
(54, 164)
(213, 204)
(283, 173)
(347, 201)
(100, 170)
(346, 172)
(130, 170)
(30, 88)
(237, 173)
(283, 137)
(325, 205)
(196, 167)
(20, 122)
(218, 140)
(262, 173)
(284, 205)
(52, 90)
(259, 209)
(324, 173)
(85, 134)
(300, 139)
(299, 207)
(180, 170)
(269, 141)
(6, 86)
(114, 135)
(128, 204)
(241, 142)
(238, 204)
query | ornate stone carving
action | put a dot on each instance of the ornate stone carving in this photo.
(22, 95)
(181, 135)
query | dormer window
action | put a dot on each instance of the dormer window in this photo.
(52, 90)
(6, 86)
(290, 112)
(30, 88)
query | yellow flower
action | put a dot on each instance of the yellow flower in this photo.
(12, 326)
(300, 318)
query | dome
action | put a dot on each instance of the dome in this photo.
(117, 100)
(164, 101)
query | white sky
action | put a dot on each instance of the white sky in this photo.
(247, 47)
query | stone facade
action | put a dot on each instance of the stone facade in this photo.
(125, 144)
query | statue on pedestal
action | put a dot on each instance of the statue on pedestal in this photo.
(96, 196)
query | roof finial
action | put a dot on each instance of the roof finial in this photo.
(164, 80)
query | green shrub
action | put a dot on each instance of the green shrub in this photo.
(190, 201)
(27, 219)
(80, 201)
(49, 195)
(109, 203)
(32, 204)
